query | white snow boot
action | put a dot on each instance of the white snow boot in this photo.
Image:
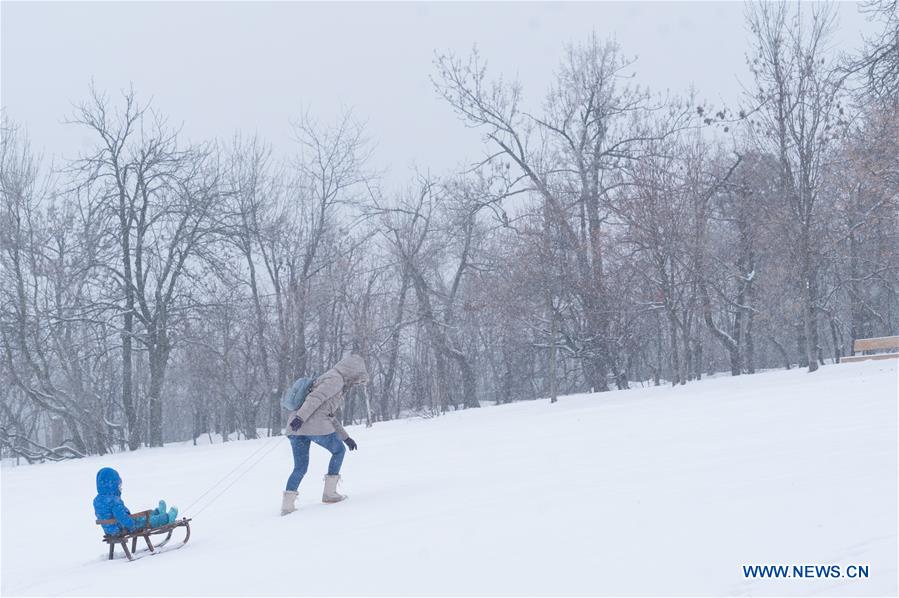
(330, 494)
(288, 502)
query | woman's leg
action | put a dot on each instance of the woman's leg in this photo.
(334, 445)
(300, 447)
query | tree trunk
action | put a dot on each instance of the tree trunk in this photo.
(676, 374)
(800, 344)
(552, 355)
(158, 355)
(857, 320)
(784, 354)
(749, 354)
(809, 301)
(134, 440)
(469, 386)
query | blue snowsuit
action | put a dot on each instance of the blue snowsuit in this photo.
(108, 505)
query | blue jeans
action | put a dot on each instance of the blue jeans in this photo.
(300, 446)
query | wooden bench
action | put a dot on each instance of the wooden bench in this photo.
(881, 343)
(145, 533)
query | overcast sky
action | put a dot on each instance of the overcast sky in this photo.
(218, 67)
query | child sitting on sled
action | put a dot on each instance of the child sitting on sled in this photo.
(108, 505)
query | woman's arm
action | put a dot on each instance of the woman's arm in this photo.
(338, 427)
(326, 387)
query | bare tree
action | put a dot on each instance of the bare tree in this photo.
(879, 61)
(799, 90)
(591, 129)
(163, 200)
(47, 258)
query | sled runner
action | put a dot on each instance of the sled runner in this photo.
(144, 533)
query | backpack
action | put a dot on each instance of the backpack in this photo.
(295, 396)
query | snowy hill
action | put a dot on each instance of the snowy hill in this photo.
(647, 491)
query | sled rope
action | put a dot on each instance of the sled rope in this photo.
(270, 444)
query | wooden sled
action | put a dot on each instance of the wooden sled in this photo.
(144, 533)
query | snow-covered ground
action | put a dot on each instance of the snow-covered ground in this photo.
(652, 491)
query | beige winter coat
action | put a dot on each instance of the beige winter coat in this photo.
(326, 397)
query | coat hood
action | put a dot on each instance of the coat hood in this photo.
(352, 368)
(108, 481)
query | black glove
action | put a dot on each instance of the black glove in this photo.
(295, 423)
(350, 443)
